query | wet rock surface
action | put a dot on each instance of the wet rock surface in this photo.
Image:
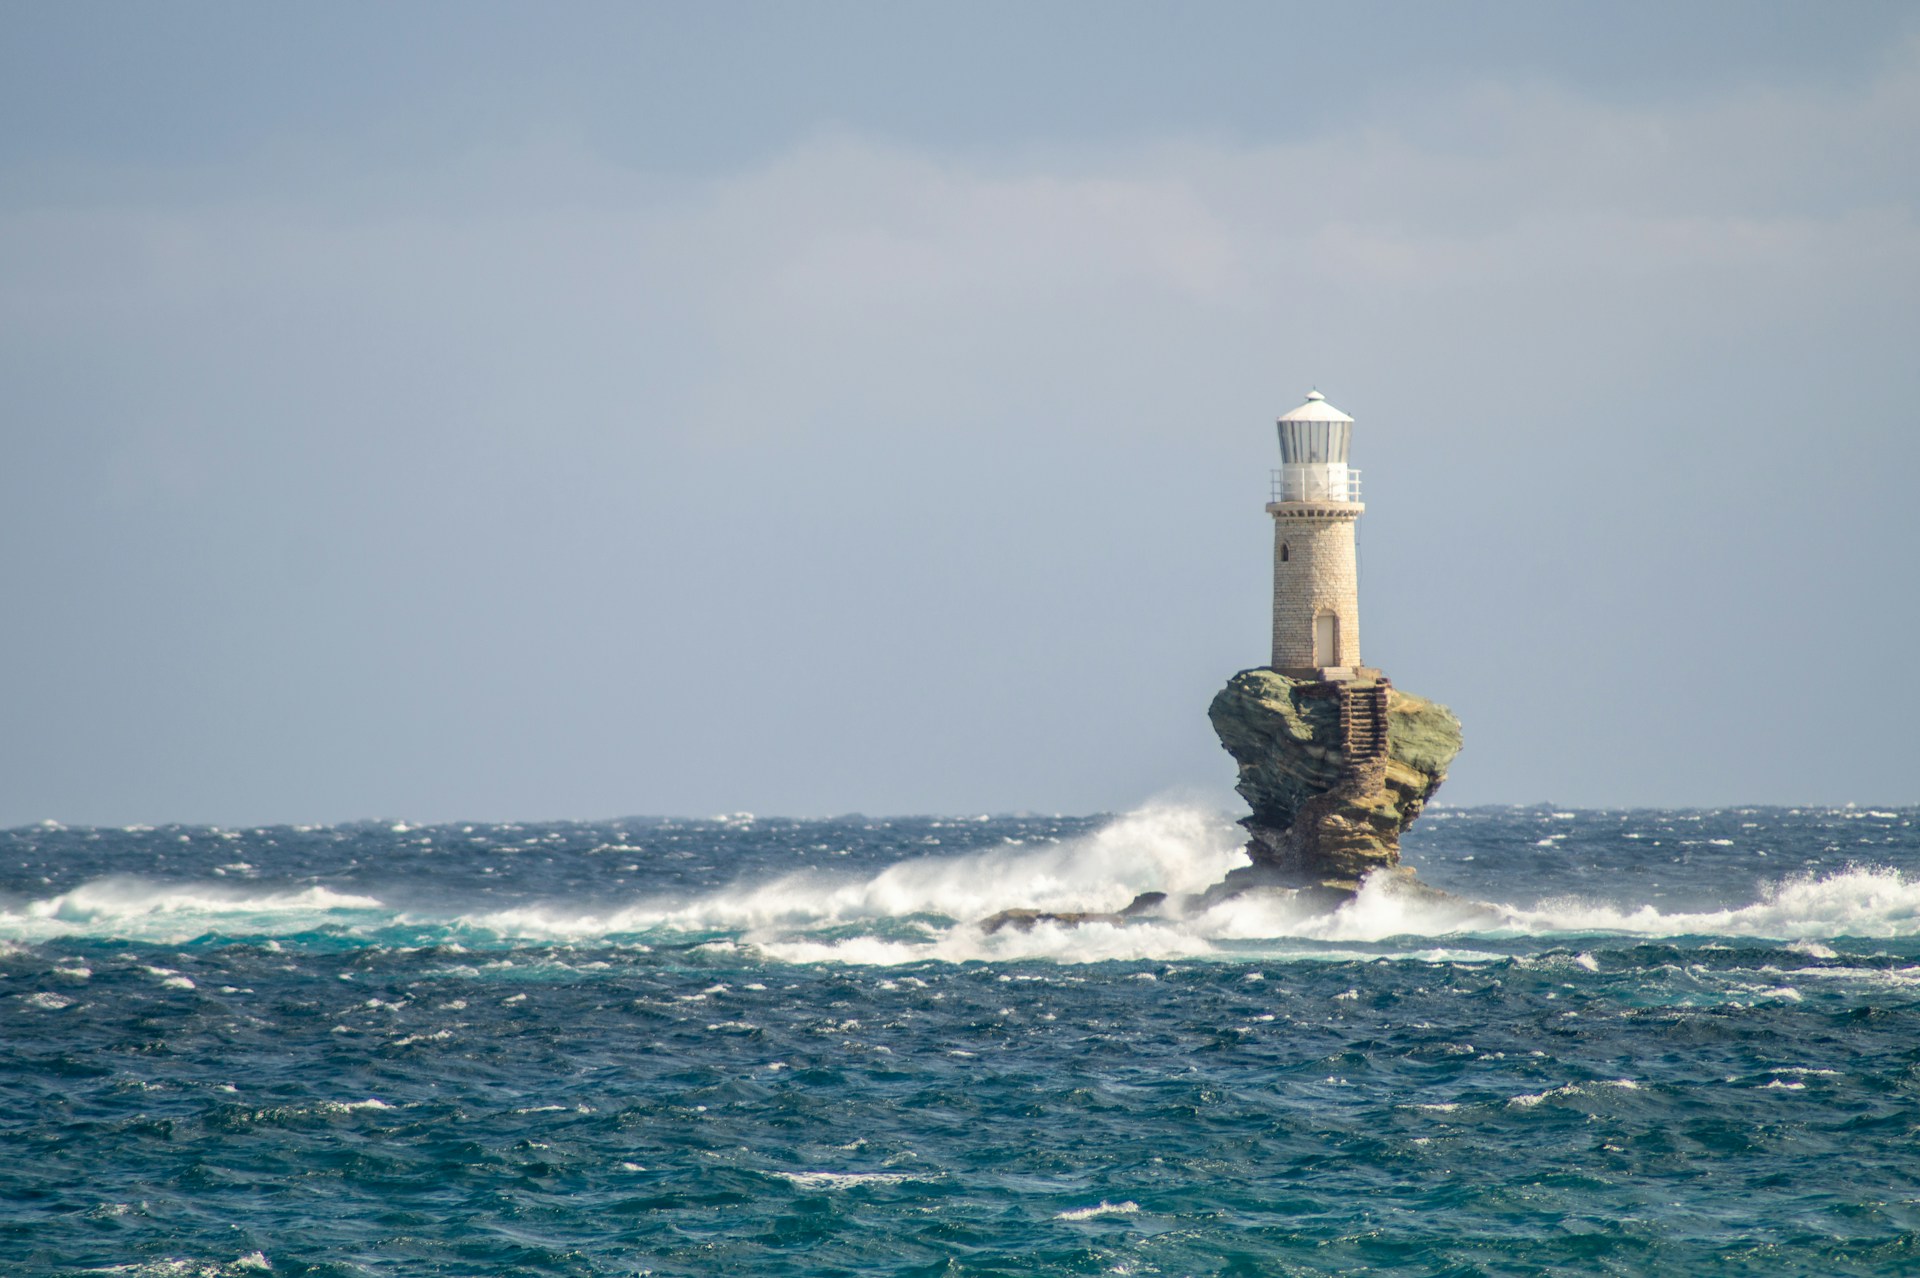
(1318, 819)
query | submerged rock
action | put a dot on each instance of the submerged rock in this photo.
(1326, 815)
(1146, 905)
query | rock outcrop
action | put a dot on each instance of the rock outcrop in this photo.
(1334, 773)
(1324, 815)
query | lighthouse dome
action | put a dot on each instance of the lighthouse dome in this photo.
(1316, 409)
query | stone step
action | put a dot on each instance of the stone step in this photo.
(1363, 726)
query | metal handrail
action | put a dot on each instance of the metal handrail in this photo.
(1295, 488)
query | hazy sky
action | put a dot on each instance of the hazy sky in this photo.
(524, 411)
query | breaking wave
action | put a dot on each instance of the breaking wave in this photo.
(1170, 849)
(128, 907)
(927, 909)
(1858, 903)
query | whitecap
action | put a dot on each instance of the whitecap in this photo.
(1858, 901)
(133, 908)
(251, 1263)
(1102, 1208)
(350, 1107)
(438, 1036)
(842, 1180)
(1527, 1100)
(1063, 943)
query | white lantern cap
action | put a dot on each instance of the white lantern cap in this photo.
(1316, 409)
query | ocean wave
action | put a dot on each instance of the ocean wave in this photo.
(251, 1263)
(1862, 902)
(842, 1180)
(1858, 903)
(1868, 902)
(126, 907)
(1103, 1208)
(927, 909)
(1165, 848)
(967, 943)
(1527, 1100)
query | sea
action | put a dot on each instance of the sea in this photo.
(1638, 1043)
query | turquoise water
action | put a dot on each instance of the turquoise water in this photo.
(1669, 1043)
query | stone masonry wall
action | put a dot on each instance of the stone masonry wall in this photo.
(1318, 573)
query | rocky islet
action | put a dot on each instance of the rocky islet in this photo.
(1334, 772)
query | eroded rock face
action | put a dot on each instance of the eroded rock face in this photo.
(1318, 821)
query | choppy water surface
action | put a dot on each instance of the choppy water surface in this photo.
(1678, 1042)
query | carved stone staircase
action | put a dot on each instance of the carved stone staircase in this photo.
(1363, 731)
(1337, 835)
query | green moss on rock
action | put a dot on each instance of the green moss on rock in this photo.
(1314, 819)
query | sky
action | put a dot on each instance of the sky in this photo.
(512, 412)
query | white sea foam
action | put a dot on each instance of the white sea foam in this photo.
(932, 904)
(1527, 1100)
(1864, 902)
(927, 909)
(1161, 848)
(135, 908)
(252, 1263)
(1378, 911)
(1102, 1208)
(350, 1107)
(843, 1180)
(1086, 943)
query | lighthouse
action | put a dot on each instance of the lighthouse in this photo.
(1316, 580)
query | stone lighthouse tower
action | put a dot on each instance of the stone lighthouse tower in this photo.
(1316, 580)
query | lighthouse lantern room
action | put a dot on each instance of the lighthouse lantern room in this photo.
(1315, 506)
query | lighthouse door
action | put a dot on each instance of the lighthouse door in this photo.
(1326, 639)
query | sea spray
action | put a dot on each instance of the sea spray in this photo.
(1168, 848)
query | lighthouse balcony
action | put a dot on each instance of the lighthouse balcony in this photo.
(1292, 484)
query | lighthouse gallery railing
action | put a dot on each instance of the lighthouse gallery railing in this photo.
(1299, 487)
